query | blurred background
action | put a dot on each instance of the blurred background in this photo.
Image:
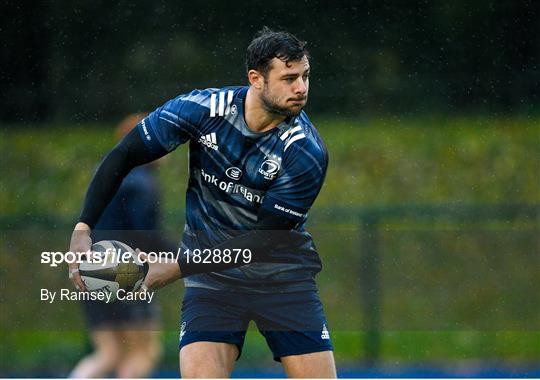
(428, 224)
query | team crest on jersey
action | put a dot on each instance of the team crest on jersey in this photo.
(269, 169)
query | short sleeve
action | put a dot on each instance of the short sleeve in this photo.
(172, 124)
(301, 178)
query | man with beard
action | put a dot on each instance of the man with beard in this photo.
(256, 166)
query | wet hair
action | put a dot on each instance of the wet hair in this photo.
(268, 44)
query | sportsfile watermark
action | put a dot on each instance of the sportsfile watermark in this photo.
(411, 280)
(117, 255)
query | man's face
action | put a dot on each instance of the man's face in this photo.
(286, 87)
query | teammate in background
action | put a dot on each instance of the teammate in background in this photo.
(125, 335)
(256, 166)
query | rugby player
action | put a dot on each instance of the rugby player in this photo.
(256, 165)
(125, 334)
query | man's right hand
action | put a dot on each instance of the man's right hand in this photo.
(80, 242)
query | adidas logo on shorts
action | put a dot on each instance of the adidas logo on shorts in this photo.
(209, 140)
(325, 334)
(182, 331)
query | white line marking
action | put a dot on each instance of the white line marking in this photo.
(290, 132)
(229, 101)
(213, 105)
(221, 103)
(293, 139)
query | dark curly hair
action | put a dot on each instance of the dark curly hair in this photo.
(268, 44)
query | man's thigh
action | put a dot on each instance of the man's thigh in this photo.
(207, 360)
(313, 365)
(212, 333)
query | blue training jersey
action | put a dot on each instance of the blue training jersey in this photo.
(233, 172)
(135, 205)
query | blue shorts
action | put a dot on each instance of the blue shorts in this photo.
(119, 314)
(292, 323)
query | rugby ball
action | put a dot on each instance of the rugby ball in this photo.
(112, 266)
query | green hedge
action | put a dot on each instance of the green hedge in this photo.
(46, 170)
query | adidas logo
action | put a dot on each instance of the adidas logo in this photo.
(209, 140)
(182, 331)
(218, 106)
(325, 334)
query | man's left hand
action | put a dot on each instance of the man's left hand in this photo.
(160, 273)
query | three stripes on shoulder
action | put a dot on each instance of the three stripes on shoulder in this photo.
(222, 107)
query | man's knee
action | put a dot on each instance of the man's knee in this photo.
(312, 365)
(143, 343)
(207, 359)
(107, 349)
(142, 350)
